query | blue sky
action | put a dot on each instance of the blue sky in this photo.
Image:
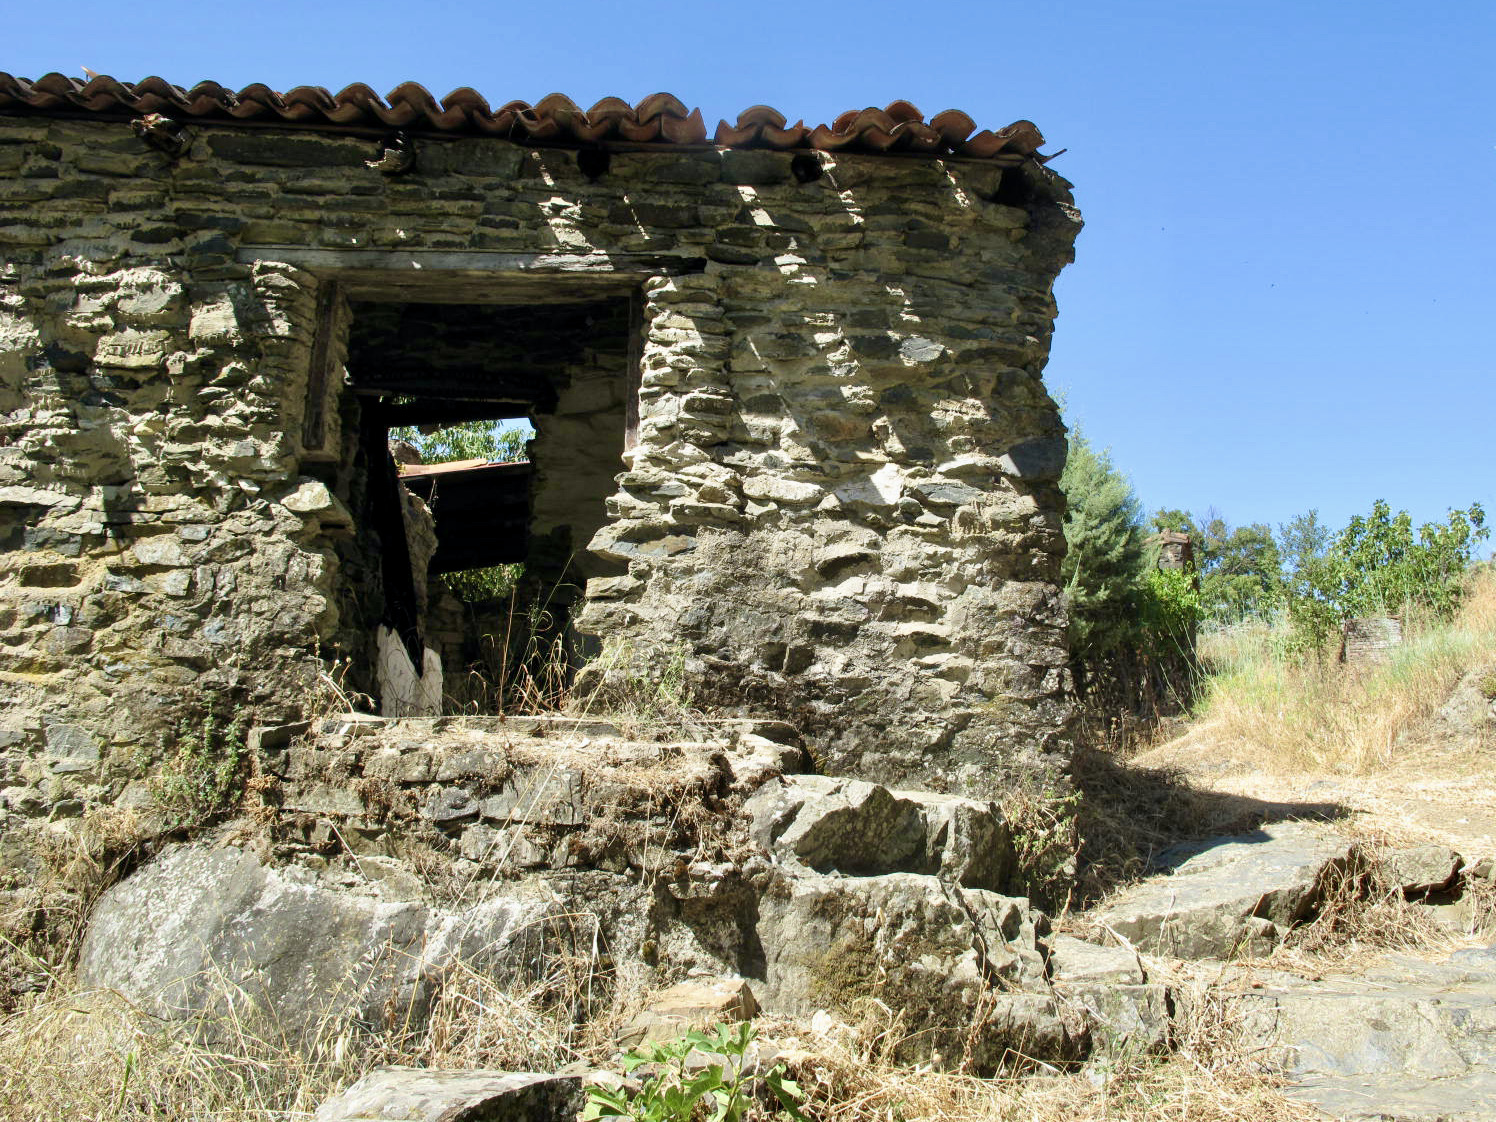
(1285, 295)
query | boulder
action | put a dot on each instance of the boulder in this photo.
(848, 826)
(963, 964)
(1482, 868)
(200, 927)
(1119, 1020)
(1230, 896)
(405, 1094)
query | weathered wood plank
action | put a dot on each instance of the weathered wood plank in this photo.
(314, 415)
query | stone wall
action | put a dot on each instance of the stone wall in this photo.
(840, 505)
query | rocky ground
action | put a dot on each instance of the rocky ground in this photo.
(1384, 1006)
(588, 886)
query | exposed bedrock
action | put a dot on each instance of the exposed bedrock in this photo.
(395, 862)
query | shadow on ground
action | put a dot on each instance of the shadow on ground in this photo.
(1130, 814)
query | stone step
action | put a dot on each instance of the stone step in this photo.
(1231, 896)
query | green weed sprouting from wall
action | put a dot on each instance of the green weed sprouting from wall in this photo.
(203, 776)
(1045, 827)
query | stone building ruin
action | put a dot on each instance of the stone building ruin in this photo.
(792, 444)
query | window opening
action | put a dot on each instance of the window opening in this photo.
(488, 440)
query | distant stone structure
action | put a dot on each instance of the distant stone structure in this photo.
(1369, 640)
(792, 445)
(1176, 551)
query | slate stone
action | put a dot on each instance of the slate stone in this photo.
(1036, 461)
(1421, 870)
(402, 1094)
(199, 925)
(1228, 896)
(1411, 1040)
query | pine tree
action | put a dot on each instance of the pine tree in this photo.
(1104, 540)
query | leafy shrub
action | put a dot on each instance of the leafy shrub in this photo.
(678, 1090)
(1238, 568)
(1377, 567)
(1171, 607)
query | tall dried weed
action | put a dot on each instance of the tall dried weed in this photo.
(1317, 715)
(66, 1054)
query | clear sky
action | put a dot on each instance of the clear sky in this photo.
(1283, 297)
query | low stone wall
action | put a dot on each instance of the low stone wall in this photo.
(377, 859)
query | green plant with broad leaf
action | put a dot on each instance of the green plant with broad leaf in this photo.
(674, 1089)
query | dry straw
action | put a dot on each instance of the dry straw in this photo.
(1318, 715)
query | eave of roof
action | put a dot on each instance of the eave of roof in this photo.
(556, 120)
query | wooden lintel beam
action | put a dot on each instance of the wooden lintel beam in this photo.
(540, 399)
(444, 411)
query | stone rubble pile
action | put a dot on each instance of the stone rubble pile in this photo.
(716, 879)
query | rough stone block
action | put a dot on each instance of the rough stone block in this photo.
(862, 829)
(397, 1094)
(1073, 960)
(968, 959)
(1421, 870)
(698, 1004)
(1121, 1020)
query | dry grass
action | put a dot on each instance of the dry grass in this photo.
(1365, 916)
(1318, 716)
(1211, 1076)
(67, 1055)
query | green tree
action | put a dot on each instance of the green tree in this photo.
(1301, 542)
(1245, 579)
(1104, 556)
(1378, 566)
(469, 440)
(472, 440)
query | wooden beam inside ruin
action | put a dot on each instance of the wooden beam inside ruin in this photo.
(482, 512)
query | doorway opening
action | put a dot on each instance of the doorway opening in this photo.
(481, 443)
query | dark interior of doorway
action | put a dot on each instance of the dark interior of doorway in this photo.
(561, 364)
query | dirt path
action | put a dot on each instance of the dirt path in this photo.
(1442, 791)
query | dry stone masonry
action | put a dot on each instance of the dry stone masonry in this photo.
(792, 448)
(404, 852)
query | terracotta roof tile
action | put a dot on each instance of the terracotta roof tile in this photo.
(554, 120)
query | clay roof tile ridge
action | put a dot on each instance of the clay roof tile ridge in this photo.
(555, 119)
(662, 104)
(465, 97)
(953, 125)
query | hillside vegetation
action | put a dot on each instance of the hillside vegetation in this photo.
(1314, 714)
